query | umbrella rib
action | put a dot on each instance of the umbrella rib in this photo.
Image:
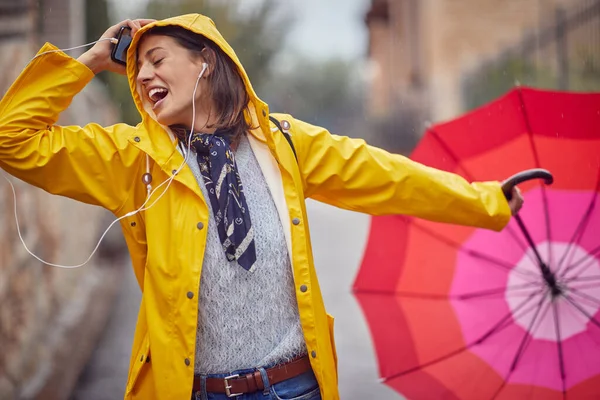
(582, 286)
(532, 246)
(578, 307)
(561, 360)
(451, 154)
(584, 278)
(495, 329)
(423, 296)
(581, 261)
(465, 296)
(584, 295)
(474, 253)
(485, 293)
(584, 221)
(536, 159)
(578, 234)
(526, 339)
(522, 245)
(519, 243)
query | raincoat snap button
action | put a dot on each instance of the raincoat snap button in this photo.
(137, 139)
(313, 354)
(174, 172)
(142, 359)
(303, 288)
(190, 295)
(264, 113)
(200, 225)
(296, 221)
(133, 224)
(187, 362)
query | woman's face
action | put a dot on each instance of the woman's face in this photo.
(167, 75)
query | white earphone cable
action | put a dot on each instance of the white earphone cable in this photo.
(186, 155)
(142, 207)
(112, 40)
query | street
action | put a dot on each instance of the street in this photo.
(338, 240)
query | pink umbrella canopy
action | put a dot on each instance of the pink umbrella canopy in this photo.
(463, 313)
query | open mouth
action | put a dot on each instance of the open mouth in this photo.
(157, 95)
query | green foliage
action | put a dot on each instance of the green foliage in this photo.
(317, 92)
(583, 74)
(97, 21)
(256, 37)
(495, 80)
(97, 14)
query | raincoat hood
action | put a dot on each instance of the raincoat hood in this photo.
(205, 26)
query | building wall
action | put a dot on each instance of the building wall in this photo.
(468, 31)
(50, 318)
(380, 54)
(432, 42)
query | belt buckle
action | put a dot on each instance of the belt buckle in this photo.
(228, 386)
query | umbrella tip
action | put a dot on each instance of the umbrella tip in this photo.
(427, 124)
(517, 83)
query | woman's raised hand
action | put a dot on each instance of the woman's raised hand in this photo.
(98, 57)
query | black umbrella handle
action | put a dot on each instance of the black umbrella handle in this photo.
(536, 173)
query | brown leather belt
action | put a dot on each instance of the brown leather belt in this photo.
(236, 385)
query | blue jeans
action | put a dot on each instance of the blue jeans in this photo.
(301, 387)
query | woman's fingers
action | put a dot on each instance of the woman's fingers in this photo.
(137, 24)
(98, 57)
(516, 202)
(145, 21)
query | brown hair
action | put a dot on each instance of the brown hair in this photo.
(226, 86)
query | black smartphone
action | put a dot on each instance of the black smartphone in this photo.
(119, 51)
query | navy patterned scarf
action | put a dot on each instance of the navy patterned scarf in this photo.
(226, 194)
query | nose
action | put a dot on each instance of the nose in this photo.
(145, 74)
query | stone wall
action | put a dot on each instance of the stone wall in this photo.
(51, 318)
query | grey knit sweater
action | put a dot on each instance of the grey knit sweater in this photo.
(247, 319)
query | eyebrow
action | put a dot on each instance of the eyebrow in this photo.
(149, 53)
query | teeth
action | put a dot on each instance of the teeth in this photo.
(155, 91)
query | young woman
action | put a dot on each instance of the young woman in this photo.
(231, 302)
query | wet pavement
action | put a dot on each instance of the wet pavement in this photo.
(338, 240)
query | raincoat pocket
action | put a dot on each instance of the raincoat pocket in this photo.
(141, 365)
(330, 321)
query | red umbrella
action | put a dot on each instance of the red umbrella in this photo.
(462, 313)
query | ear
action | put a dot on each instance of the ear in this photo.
(209, 57)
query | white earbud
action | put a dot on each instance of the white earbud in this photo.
(204, 68)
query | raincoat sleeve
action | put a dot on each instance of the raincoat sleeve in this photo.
(85, 163)
(350, 174)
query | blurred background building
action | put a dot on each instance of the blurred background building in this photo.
(374, 69)
(432, 60)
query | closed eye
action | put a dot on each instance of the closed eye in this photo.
(157, 61)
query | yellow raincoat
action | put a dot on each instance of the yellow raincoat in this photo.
(104, 165)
